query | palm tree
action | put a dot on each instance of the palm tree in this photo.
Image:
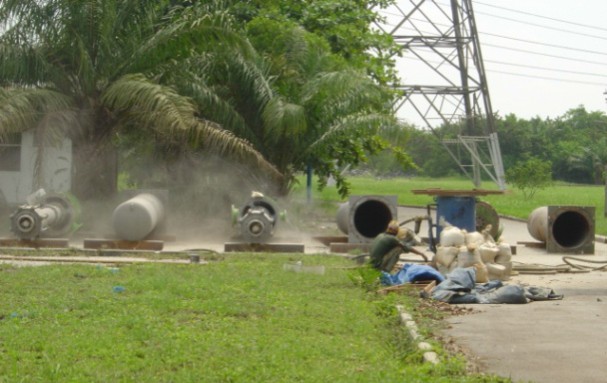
(324, 114)
(90, 69)
(298, 105)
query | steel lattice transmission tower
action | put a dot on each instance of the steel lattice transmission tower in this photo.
(441, 47)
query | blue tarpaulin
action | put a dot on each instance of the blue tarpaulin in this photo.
(411, 273)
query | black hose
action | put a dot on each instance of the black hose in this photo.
(568, 260)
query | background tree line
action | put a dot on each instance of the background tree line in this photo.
(575, 144)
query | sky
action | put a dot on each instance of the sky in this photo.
(541, 57)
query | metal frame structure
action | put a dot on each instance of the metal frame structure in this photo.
(444, 40)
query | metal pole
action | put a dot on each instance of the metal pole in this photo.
(309, 183)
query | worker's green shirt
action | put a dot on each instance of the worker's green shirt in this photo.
(383, 244)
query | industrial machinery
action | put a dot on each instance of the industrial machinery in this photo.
(137, 218)
(362, 218)
(44, 215)
(564, 229)
(257, 218)
(418, 222)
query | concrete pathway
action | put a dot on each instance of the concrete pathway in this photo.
(541, 342)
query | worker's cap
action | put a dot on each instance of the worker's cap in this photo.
(405, 234)
(392, 227)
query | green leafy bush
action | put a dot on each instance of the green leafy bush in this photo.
(530, 176)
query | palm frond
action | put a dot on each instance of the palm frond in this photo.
(20, 65)
(148, 105)
(211, 137)
(283, 119)
(298, 50)
(213, 107)
(251, 74)
(352, 123)
(228, 88)
(342, 92)
(24, 109)
(184, 37)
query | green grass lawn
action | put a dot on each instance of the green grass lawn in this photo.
(241, 318)
(511, 203)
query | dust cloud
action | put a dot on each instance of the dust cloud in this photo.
(198, 194)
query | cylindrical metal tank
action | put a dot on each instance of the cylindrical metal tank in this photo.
(137, 218)
(564, 229)
(537, 223)
(458, 211)
(364, 217)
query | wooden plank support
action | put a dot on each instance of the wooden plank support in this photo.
(153, 237)
(425, 286)
(88, 259)
(100, 244)
(535, 245)
(328, 240)
(264, 247)
(348, 247)
(456, 193)
(35, 243)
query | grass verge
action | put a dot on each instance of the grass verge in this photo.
(241, 318)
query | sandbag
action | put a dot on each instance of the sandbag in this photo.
(496, 271)
(445, 256)
(474, 238)
(488, 252)
(482, 276)
(504, 253)
(468, 256)
(452, 236)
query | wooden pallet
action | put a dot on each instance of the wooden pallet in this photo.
(264, 247)
(425, 286)
(35, 243)
(101, 244)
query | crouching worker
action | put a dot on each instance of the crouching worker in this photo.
(386, 249)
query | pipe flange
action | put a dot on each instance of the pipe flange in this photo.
(256, 226)
(26, 223)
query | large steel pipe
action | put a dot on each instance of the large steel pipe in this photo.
(364, 217)
(137, 218)
(43, 216)
(537, 223)
(564, 229)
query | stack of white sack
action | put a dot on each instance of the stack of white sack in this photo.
(458, 248)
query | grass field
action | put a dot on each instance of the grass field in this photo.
(241, 318)
(511, 203)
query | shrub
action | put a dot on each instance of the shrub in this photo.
(530, 175)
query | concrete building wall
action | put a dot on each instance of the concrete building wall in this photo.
(17, 168)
